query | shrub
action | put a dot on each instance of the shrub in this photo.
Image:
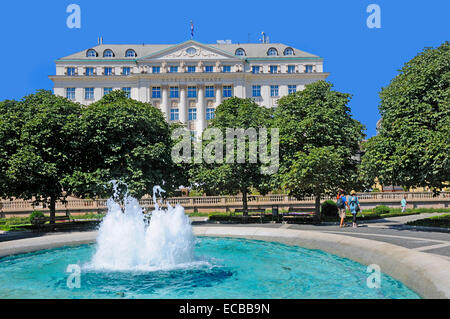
(196, 193)
(379, 210)
(33, 217)
(329, 209)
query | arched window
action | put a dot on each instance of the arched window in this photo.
(240, 52)
(130, 53)
(108, 54)
(272, 52)
(289, 51)
(91, 53)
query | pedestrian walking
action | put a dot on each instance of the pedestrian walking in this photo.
(403, 203)
(341, 204)
(354, 206)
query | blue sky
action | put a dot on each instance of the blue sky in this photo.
(361, 60)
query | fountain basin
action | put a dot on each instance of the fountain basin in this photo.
(423, 273)
(223, 268)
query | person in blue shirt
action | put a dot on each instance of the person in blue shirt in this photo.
(353, 204)
(403, 202)
(341, 205)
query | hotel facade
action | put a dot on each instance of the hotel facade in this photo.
(189, 80)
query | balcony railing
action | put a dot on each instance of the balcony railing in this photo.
(220, 201)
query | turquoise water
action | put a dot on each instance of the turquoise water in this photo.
(225, 269)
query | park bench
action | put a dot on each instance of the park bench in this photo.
(298, 213)
(252, 213)
(40, 222)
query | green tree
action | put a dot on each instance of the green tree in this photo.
(318, 142)
(121, 139)
(35, 152)
(413, 145)
(229, 177)
(10, 127)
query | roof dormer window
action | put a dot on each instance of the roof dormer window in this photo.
(91, 53)
(272, 52)
(108, 54)
(240, 52)
(130, 53)
(289, 51)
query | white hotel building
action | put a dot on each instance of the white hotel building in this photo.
(189, 80)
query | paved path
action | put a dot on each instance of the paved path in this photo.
(391, 230)
(401, 220)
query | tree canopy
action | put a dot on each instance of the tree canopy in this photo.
(318, 142)
(413, 145)
(51, 148)
(35, 152)
(234, 176)
(121, 139)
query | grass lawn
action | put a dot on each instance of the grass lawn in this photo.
(436, 221)
(22, 223)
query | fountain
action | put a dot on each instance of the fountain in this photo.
(135, 259)
(126, 243)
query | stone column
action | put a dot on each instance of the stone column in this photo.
(142, 93)
(165, 101)
(183, 105)
(218, 94)
(201, 120)
(240, 90)
(98, 94)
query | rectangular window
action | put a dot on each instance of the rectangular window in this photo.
(209, 91)
(192, 91)
(210, 114)
(174, 93)
(70, 93)
(71, 72)
(108, 71)
(292, 89)
(126, 71)
(255, 69)
(156, 69)
(209, 69)
(226, 69)
(256, 90)
(127, 91)
(274, 90)
(309, 69)
(89, 71)
(173, 69)
(191, 69)
(89, 94)
(227, 91)
(192, 114)
(107, 91)
(156, 92)
(174, 115)
(273, 69)
(291, 68)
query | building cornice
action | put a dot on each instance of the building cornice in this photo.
(278, 58)
(186, 77)
(156, 60)
(95, 60)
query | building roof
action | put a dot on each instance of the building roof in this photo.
(252, 50)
